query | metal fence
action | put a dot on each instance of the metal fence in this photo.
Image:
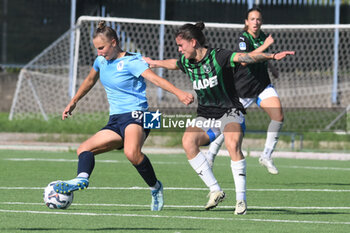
(29, 26)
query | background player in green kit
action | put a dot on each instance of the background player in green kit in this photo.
(210, 71)
(253, 84)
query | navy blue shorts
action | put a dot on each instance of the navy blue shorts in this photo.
(118, 122)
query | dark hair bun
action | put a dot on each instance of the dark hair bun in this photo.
(200, 25)
(101, 25)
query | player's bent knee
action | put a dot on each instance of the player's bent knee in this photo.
(81, 149)
(277, 117)
(232, 146)
(133, 155)
(187, 143)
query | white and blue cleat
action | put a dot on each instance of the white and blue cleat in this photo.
(157, 198)
(71, 185)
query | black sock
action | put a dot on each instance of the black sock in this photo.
(146, 171)
(86, 162)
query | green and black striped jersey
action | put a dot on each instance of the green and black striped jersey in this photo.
(212, 80)
(252, 79)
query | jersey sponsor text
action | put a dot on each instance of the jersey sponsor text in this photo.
(204, 83)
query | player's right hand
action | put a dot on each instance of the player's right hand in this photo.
(281, 55)
(269, 41)
(149, 61)
(68, 110)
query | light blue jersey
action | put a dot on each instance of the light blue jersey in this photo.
(122, 80)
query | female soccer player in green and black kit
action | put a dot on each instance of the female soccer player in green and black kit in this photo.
(253, 84)
(210, 71)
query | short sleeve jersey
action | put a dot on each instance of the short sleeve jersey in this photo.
(212, 80)
(252, 79)
(122, 80)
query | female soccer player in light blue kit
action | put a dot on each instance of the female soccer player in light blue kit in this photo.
(122, 75)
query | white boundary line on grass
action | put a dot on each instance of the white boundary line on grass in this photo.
(157, 162)
(153, 150)
(170, 217)
(76, 160)
(196, 206)
(188, 189)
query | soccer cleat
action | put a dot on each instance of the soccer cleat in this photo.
(157, 198)
(71, 185)
(214, 198)
(241, 207)
(268, 163)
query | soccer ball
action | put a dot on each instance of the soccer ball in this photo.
(55, 200)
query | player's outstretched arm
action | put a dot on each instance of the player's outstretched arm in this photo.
(267, 43)
(169, 64)
(281, 55)
(84, 88)
(185, 97)
(254, 57)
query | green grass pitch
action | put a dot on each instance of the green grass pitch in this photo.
(307, 196)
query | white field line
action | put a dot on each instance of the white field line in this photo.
(188, 189)
(196, 206)
(154, 150)
(170, 217)
(318, 168)
(158, 162)
(76, 160)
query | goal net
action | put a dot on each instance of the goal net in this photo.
(306, 82)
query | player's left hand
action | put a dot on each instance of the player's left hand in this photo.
(186, 98)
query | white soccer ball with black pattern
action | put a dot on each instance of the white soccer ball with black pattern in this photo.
(55, 200)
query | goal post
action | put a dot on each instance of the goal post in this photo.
(41, 82)
(305, 80)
